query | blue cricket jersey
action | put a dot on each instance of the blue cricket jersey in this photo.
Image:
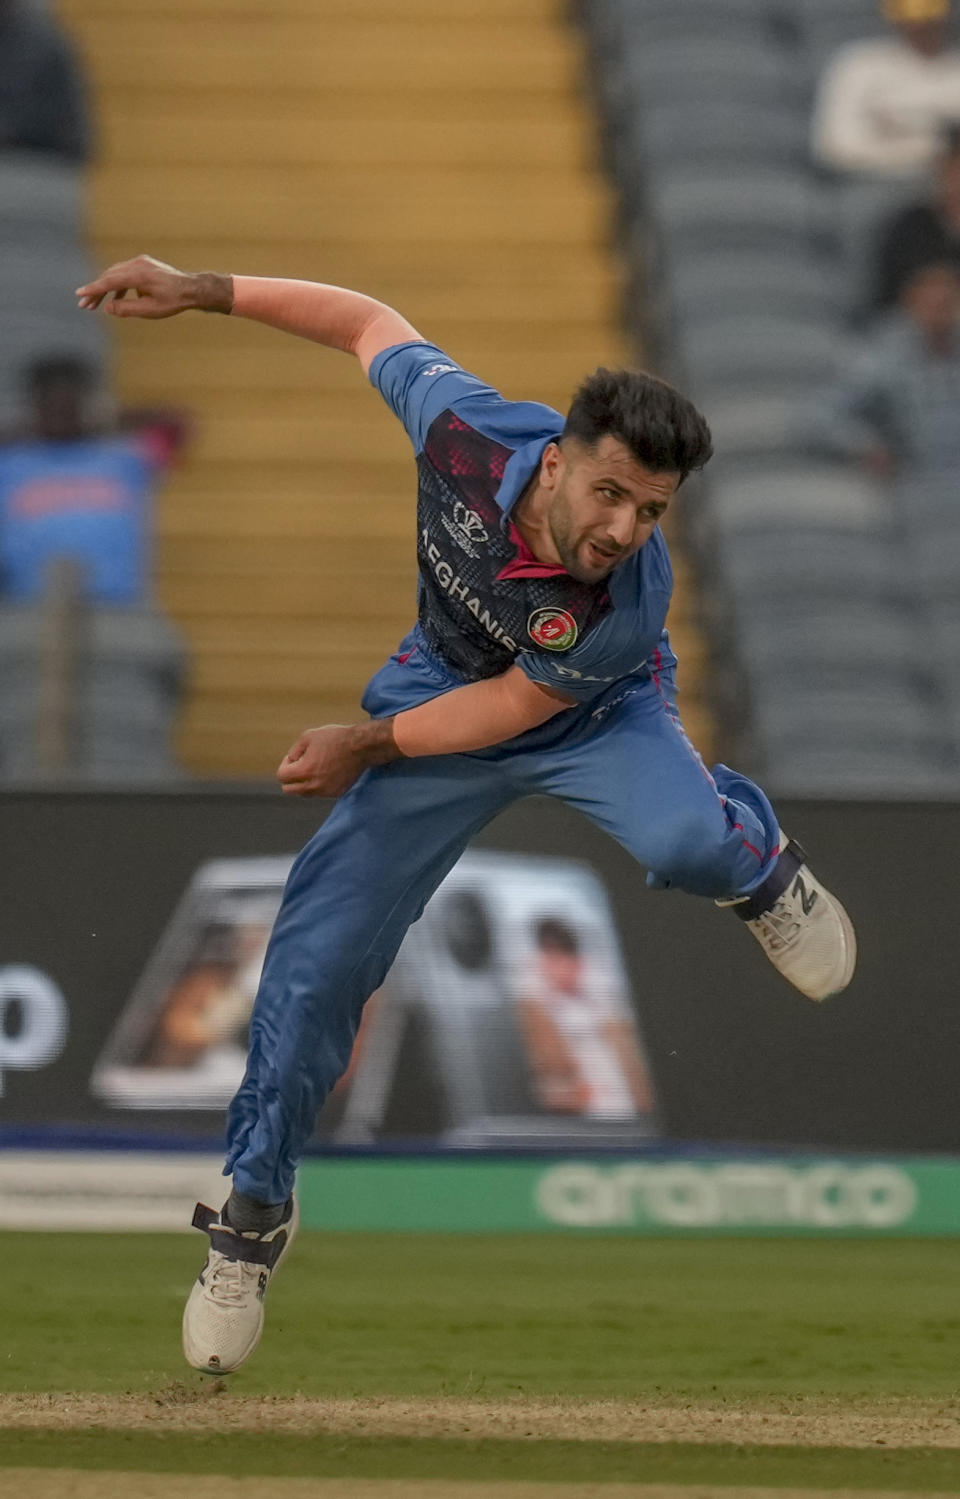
(485, 603)
(90, 500)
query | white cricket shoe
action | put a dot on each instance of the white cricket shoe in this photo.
(223, 1317)
(802, 928)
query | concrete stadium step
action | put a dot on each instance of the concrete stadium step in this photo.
(364, 263)
(302, 55)
(377, 594)
(300, 137)
(297, 210)
(299, 513)
(524, 369)
(433, 12)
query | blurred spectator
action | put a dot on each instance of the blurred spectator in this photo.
(882, 103)
(580, 1037)
(923, 233)
(897, 408)
(72, 486)
(42, 98)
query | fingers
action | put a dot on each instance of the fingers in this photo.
(295, 752)
(291, 768)
(150, 279)
(120, 277)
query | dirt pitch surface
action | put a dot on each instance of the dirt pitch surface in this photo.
(53, 1483)
(210, 1406)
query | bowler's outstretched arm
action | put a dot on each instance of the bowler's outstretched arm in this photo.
(330, 315)
(325, 761)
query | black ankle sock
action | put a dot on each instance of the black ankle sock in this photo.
(247, 1215)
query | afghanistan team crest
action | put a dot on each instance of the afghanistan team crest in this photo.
(553, 629)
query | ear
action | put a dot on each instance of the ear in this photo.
(551, 465)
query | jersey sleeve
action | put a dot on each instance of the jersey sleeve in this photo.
(588, 671)
(418, 381)
(582, 682)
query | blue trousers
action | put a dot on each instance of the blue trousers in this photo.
(366, 876)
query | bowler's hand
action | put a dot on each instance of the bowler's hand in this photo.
(326, 761)
(160, 290)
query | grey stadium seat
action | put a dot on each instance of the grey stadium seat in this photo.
(825, 495)
(824, 641)
(130, 681)
(40, 198)
(671, 134)
(823, 26)
(711, 283)
(753, 350)
(809, 562)
(692, 70)
(753, 429)
(759, 209)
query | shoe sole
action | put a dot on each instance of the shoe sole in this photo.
(850, 937)
(220, 1373)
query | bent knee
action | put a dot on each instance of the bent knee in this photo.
(693, 854)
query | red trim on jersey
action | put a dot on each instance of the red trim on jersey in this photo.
(525, 564)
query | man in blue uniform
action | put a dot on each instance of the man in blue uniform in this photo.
(540, 664)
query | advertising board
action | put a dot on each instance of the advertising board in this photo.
(546, 1000)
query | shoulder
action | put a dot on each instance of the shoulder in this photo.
(421, 383)
(865, 58)
(511, 424)
(646, 572)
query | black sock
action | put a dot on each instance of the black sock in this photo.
(247, 1215)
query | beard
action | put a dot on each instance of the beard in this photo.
(569, 541)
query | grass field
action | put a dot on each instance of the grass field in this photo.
(400, 1365)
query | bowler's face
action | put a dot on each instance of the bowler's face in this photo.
(604, 504)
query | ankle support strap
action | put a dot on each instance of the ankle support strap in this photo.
(226, 1241)
(766, 895)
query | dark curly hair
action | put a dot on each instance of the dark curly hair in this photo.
(663, 430)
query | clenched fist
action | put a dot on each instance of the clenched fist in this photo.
(326, 761)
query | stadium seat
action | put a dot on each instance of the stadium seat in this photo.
(41, 198)
(823, 26)
(671, 135)
(819, 641)
(750, 429)
(694, 70)
(827, 496)
(798, 560)
(129, 683)
(712, 282)
(757, 209)
(753, 350)
(751, 264)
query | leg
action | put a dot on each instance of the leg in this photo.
(352, 893)
(638, 777)
(635, 774)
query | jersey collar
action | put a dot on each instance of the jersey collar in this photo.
(520, 469)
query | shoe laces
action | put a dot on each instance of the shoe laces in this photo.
(228, 1281)
(779, 927)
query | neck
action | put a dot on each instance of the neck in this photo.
(530, 516)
